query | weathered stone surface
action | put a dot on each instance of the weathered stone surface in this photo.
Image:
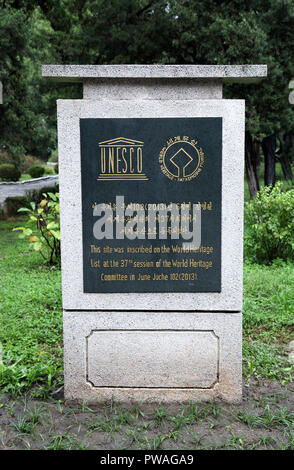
(236, 73)
(123, 359)
(152, 89)
(152, 356)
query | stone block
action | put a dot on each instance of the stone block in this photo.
(152, 356)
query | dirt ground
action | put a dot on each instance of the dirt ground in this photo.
(264, 420)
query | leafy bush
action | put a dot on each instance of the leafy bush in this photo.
(56, 168)
(9, 172)
(269, 222)
(30, 161)
(42, 228)
(12, 204)
(49, 170)
(36, 171)
(50, 189)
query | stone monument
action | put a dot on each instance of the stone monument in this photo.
(151, 186)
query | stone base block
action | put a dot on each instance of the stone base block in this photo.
(152, 356)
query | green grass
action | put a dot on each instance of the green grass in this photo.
(31, 321)
(25, 177)
(30, 317)
(268, 322)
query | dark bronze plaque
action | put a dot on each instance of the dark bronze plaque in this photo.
(141, 181)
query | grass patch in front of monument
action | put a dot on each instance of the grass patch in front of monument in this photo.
(268, 321)
(31, 319)
(264, 420)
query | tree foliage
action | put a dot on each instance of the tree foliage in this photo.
(139, 31)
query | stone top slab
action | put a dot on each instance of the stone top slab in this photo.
(226, 73)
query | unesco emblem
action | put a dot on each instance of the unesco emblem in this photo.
(121, 159)
(181, 159)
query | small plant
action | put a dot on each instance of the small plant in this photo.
(64, 442)
(252, 420)
(269, 220)
(9, 172)
(36, 171)
(43, 227)
(160, 414)
(25, 425)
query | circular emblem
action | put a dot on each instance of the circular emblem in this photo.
(181, 159)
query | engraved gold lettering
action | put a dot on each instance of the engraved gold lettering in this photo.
(117, 160)
(110, 160)
(125, 169)
(139, 160)
(131, 163)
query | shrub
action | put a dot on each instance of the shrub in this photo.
(36, 171)
(269, 221)
(50, 189)
(12, 204)
(49, 170)
(56, 168)
(42, 228)
(29, 161)
(9, 172)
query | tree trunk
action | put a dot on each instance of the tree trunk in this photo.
(251, 158)
(283, 155)
(269, 150)
(256, 145)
